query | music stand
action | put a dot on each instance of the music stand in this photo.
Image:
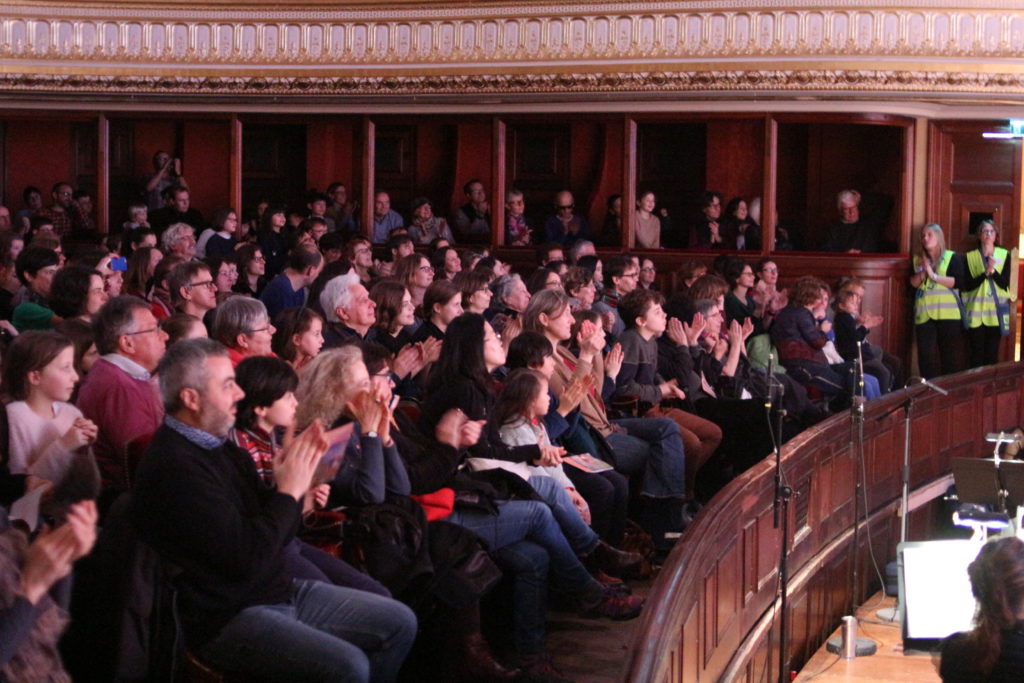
(977, 481)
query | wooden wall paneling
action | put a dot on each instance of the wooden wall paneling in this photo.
(85, 159)
(539, 161)
(609, 177)
(690, 638)
(629, 179)
(235, 168)
(769, 202)
(820, 558)
(365, 140)
(149, 136)
(396, 165)
(273, 164)
(207, 148)
(791, 170)
(474, 146)
(101, 198)
(499, 171)
(333, 155)
(586, 152)
(672, 162)
(735, 150)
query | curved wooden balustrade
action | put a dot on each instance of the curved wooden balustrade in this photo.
(712, 614)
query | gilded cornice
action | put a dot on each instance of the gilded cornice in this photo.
(446, 48)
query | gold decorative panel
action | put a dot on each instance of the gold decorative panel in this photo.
(411, 48)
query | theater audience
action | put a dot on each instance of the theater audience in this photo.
(518, 232)
(192, 289)
(424, 226)
(743, 231)
(177, 209)
(179, 240)
(395, 314)
(183, 326)
(565, 226)
(852, 232)
(473, 219)
(36, 268)
(709, 230)
(252, 270)
(77, 292)
(385, 219)
(442, 304)
(298, 336)
(348, 309)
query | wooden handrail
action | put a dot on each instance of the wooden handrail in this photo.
(709, 611)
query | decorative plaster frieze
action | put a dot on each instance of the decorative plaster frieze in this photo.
(600, 45)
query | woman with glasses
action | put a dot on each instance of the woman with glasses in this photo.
(252, 271)
(476, 291)
(986, 296)
(416, 273)
(243, 326)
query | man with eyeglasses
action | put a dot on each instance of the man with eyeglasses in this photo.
(192, 288)
(621, 276)
(565, 227)
(117, 394)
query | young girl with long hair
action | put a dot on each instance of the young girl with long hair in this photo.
(45, 430)
(298, 336)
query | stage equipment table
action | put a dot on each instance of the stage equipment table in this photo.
(888, 664)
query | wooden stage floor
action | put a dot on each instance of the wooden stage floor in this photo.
(887, 665)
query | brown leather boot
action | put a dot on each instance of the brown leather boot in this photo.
(478, 664)
(613, 561)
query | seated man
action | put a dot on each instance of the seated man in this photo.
(117, 394)
(343, 212)
(289, 289)
(851, 233)
(349, 310)
(192, 288)
(565, 227)
(178, 209)
(473, 219)
(385, 219)
(199, 503)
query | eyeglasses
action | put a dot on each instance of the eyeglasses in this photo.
(132, 334)
(259, 259)
(988, 231)
(631, 274)
(648, 269)
(260, 329)
(427, 269)
(567, 206)
(205, 283)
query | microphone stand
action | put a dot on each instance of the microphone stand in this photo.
(907, 406)
(780, 511)
(857, 452)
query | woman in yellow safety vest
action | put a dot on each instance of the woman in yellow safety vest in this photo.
(938, 315)
(986, 297)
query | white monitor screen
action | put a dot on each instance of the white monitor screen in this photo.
(935, 591)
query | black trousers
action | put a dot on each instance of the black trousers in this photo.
(983, 343)
(936, 347)
(607, 494)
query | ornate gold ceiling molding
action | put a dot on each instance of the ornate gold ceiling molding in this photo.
(531, 46)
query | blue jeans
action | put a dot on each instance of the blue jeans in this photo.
(654, 446)
(532, 520)
(323, 632)
(581, 537)
(526, 565)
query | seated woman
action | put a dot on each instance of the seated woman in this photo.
(252, 271)
(743, 231)
(647, 447)
(476, 292)
(462, 379)
(416, 273)
(395, 314)
(45, 430)
(77, 292)
(298, 336)
(994, 649)
(768, 298)
(442, 303)
(739, 302)
(243, 326)
(579, 285)
(138, 279)
(543, 278)
(446, 263)
(269, 405)
(800, 332)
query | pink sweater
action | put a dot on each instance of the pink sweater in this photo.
(123, 408)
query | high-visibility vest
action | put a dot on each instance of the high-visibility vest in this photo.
(935, 302)
(981, 307)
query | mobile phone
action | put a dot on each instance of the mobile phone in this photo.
(119, 264)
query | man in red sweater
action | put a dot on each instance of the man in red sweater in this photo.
(117, 393)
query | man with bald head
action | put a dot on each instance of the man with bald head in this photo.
(385, 219)
(566, 226)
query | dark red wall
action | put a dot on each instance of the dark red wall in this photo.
(38, 153)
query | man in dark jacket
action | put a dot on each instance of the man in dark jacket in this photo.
(199, 504)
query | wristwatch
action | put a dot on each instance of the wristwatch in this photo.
(372, 434)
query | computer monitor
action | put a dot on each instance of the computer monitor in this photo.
(935, 591)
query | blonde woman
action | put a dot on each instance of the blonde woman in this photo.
(938, 317)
